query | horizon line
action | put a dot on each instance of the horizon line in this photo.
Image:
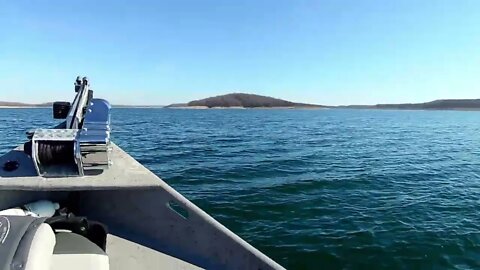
(47, 104)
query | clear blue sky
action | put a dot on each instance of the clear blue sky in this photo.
(160, 52)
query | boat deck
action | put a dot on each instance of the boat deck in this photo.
(127, 255)
(152, 226)
(125, 172)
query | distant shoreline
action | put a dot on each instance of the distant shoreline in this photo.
(266, 108)
(22, 107)
(241, 101)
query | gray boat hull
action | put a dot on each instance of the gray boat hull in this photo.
(151, 224)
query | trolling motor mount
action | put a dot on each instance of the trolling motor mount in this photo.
(81, 144)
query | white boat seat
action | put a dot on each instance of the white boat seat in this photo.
(27, 243)
(41, 248)
(75, 252)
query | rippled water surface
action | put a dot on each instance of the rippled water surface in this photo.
(316, 189)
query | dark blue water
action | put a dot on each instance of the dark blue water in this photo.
(316, 189)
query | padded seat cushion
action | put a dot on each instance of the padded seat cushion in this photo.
(26, 243)
(40, 249)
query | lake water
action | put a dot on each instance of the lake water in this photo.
(316, 189)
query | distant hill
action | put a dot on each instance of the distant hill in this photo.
(13, 104)
(245, 101)
(20, 104)
(441, 104)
